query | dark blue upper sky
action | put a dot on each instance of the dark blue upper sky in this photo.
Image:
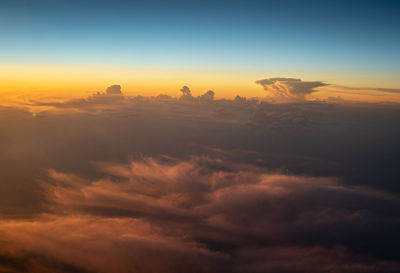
(337, 35)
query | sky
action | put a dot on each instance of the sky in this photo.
(71, 46)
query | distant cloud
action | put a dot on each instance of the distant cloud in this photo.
(377, 89)
(114, 90)
(164, 97)
(208, 96)
(111, 98)
(239, 99)
(186, 93)
(289, 88)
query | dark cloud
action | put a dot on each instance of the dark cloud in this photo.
(186, 93)
(289, 88)
(208, 96)
(114, 90)
(239, 99)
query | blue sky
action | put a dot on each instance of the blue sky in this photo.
(355, 36)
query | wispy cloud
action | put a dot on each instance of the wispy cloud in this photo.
(376, 89)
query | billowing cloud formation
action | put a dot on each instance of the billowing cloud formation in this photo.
(289, 88)
(186, 93)
(203, 215)
(208, 96)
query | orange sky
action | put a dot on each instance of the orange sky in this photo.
(20, 82)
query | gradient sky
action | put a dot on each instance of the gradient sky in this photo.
(345, 42)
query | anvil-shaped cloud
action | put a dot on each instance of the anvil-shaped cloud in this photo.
(289, 88)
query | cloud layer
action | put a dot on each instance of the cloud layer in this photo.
(235, 185)
(203, 215)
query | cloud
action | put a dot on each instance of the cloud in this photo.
(111, 91)
(377, 89)
(208, 96)
(83, 243)
(205, 215)
(289, 89)
(186, 93)
(111, 98)
(114, 90)
(239, 99)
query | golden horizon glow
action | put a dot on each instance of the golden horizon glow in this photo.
(19, 82)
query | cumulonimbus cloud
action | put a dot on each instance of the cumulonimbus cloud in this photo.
(201, 215)
(289, 88)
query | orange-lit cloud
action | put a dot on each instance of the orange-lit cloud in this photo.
(202, 215)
